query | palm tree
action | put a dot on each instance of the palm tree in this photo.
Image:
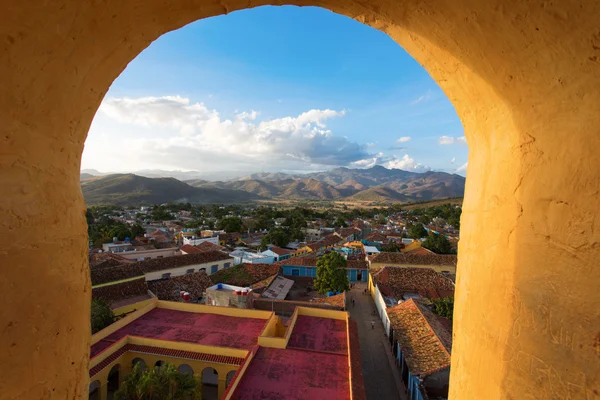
(159, 383)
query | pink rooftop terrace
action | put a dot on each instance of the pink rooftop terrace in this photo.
(313, 366)
(200, 328)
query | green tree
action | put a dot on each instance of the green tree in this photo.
(340, 222)
(438, 244)
(230, 224)
(159, 383)
(278, 237)
(120, 231)
(101, 315)
(331, 273)
(137, 230)
(417, 231)
(391, 247)
(444, 307)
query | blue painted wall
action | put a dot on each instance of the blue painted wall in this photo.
(293, 270)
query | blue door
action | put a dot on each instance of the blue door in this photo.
(295, 272)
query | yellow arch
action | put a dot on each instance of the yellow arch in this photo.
(525, 80)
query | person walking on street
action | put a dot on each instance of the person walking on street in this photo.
(372, 324)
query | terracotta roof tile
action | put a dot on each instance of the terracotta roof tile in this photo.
(422, 251)
(168, 289)
(156, 264)
(121, 291)
(189, 249)
(424, 341)
(414, 259)
(396, 281)
(245, 274)
(309, 260)
(280, 251)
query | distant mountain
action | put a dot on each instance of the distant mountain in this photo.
(179, 175)
(84, 176)
(127, 189)
(377, 184)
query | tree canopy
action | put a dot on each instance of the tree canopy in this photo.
(230, 224)
(444, 307)
(438, 244)
(417, 231)
(278, 237)
(331, 273)
(101, 315)
(159, 383)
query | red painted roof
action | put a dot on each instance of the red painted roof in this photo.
(319, 334)
(295, 374)
(201, 328)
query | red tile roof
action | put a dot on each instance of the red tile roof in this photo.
(376, 237)
(358, 264)
(414, 259)
(338, 300)
(107, 259)
(189, 249)
(121, 291)
(309, 260)
(208, 246)
(168, 289)
(345, 232)
(140, 268)
(245, 274)
(422, 251)
(280, 251)
(329, 240)
(424, 342)
(395, 281)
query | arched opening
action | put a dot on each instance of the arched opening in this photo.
(210, 382)
(159, 364)
(113, 380)
(94, 390)
(139, 361)
(185, 369)
(530, 115)
(230, 376)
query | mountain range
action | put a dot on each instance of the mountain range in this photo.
(376, 184)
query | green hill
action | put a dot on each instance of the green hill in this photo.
(126, 189)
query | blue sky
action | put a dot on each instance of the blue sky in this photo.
(275, 89)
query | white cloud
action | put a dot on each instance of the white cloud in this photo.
(403, 139)
(250, 116)
(446, 140)
(406, 163)
(176, 133)
(453, 160)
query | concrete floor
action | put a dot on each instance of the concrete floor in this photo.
(382, 379)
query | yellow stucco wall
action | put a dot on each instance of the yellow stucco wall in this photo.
(524, 78)
(131, 307)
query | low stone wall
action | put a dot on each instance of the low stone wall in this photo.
(287, 307)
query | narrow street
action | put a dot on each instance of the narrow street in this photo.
(382, 380)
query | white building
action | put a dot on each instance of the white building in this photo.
(242, 256)
(194, 241)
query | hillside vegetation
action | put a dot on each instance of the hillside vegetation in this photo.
(376, 184)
